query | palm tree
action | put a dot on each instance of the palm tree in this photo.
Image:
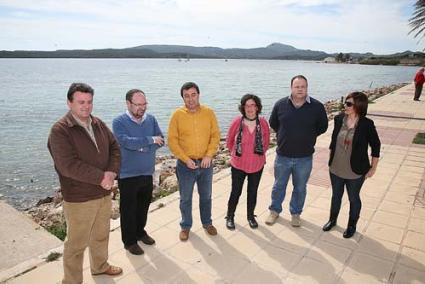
(417, 21)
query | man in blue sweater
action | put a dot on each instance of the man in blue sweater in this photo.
(297, 120)
(139, 137)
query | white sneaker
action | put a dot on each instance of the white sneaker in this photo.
(296, 220)
(272, 218)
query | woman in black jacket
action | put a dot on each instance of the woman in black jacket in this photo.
(349, 163)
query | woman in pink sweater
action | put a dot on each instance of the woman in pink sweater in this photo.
(248, 140)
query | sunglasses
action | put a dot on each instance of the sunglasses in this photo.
(348, 104)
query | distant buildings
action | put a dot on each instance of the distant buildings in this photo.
(340, 58)
(329, 60)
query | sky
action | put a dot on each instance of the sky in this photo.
(378, 26)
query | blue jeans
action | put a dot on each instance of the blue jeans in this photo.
(300, 168)
(353, 189)
(187, 178)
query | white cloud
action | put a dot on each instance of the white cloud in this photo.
(329, 25)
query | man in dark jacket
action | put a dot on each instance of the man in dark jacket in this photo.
(297, 120)
(87, 159)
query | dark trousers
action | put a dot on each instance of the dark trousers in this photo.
(238, 178)
(135, 198)
(418, 90)
(353, 189)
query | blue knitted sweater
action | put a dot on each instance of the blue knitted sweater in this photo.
(136, 144)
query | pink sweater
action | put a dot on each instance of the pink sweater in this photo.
(248, 162)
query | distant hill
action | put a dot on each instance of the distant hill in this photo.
(272, 51)
(402, 58)
(81, 53)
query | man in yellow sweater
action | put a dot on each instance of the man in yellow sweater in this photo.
(193, 137)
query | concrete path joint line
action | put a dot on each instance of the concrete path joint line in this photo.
(405, 231)
(396, 116)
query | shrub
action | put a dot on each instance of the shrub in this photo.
(419, 138)
(59, 230)
(53, 256)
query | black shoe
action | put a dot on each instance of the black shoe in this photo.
(230, 223)
(147, 240)
(134, 249)
(329, 225)
(349, 232)
(252, 222)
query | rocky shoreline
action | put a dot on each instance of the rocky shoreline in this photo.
(48, 212)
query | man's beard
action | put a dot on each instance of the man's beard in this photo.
(138, 115)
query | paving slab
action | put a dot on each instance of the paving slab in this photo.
(23, 243)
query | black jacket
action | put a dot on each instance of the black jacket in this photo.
(364, 136)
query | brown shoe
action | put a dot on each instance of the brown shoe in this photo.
(184, 234)
(211, 230)
(111, 271)
(134, 249)
(147, 240)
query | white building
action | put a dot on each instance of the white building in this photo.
(329, 60)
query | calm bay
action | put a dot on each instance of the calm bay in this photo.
(33, 97)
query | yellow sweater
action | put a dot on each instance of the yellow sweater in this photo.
(193, 135)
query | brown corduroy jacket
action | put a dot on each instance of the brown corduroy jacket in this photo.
(79, 164)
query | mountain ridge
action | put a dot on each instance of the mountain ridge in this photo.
(274, 50)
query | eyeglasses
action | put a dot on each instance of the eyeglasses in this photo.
(348, 104)
(139, 105)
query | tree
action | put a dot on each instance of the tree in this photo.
(417, 21)
(343, 57)
(339, 57)
(347, 57)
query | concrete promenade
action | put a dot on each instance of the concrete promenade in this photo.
(23, 243)
(389, 246)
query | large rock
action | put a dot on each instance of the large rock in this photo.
(115, 214)
(170, 184)
(47, 215)
(167, 168)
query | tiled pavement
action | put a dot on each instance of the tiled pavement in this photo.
(388, 248)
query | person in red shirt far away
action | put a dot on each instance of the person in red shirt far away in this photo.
(419, 82)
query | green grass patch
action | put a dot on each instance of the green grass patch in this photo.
(53, 256)
(272, 144)
(58, 230)
(419, 138)
(163, 193)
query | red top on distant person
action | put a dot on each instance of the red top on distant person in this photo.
(419, 77)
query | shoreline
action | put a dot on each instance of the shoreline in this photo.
(48, 212)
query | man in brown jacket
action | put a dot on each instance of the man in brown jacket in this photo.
(87, 159)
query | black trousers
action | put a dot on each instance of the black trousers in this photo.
(238, 178)
(418, 91)
(353, 189)
(135, 198)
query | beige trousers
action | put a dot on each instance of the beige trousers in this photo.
(88, 225)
